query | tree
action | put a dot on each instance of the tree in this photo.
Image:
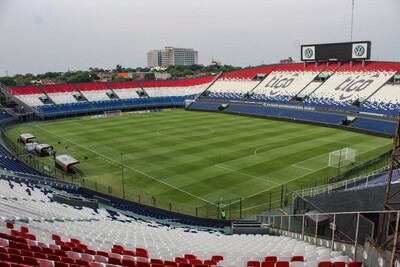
(80, 77)
(8, 81)
(187, 72)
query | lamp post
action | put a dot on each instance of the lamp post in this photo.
(122, 175)
(54, 157)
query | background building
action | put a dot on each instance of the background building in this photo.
(153, 58)
(170, 56)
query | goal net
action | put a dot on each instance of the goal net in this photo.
(342, 157)
(112, 113)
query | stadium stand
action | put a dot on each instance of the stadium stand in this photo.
(375, 125)
(234, 85)
(256, 110)
(61, 94)
(285, 82)
(323, 93)
(319, 80)
(30, 95)
(351, 83)
(175, 91)
(36, 231)
(85, 98)
(94, 91)
(125, 90)
(313, 116)
(385, 101)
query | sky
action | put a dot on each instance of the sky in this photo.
(37, 36)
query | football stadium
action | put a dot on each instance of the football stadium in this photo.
(290, 164)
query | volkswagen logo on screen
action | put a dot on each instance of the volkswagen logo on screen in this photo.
(308, 53)
(359, 50)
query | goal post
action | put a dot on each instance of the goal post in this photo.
(342, 157)
(112, 113)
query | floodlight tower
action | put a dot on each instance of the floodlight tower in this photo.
(352, 20)
(389, 220)
(122, 175)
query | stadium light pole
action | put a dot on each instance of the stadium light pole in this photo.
(340, 158)
(122, 175)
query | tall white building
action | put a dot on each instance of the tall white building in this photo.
(154, 58)
(172, 56)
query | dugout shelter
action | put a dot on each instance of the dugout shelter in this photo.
(43, 149)
(65, 163)
(26, 138)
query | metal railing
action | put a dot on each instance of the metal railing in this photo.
(342, 231)
(360, 181)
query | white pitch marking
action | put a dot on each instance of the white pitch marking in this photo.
(135, 170)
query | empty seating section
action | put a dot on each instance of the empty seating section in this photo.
(285, 81)
(247, 74)
(313, 116)
(385, 101)
(230, 90)
(61, 94)
(341, 87)
(378, 126)
(351, 83)
(26, 90)
(125, 90)
(257, 110)
(53, 233)
(29, 95)
(4, 115)
(318, 80)
(168, 88)
(204, 106)
(94, 91)
(234, 85)
(10, 163)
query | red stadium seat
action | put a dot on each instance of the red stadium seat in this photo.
(217, 258)
(130, 263)
(170, 263)
(253, 263)
(61, 264)
(271, 258)
(157, 261)
(282, 264)
(189, 256)
(115, 261)
(268, 264)
(142, 264)
(210, 262)
(180, 259)
(297, 258)
(195, 261)
(31, 261)
(184, 264)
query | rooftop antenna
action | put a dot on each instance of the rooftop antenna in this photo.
(352, 20)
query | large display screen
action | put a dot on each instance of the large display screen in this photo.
(336, 51)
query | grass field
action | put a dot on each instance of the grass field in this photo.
(198, 159)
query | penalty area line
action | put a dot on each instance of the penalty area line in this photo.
(127, 167)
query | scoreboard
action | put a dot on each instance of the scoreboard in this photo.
(336, 51)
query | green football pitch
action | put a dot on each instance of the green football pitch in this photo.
(179, 160)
